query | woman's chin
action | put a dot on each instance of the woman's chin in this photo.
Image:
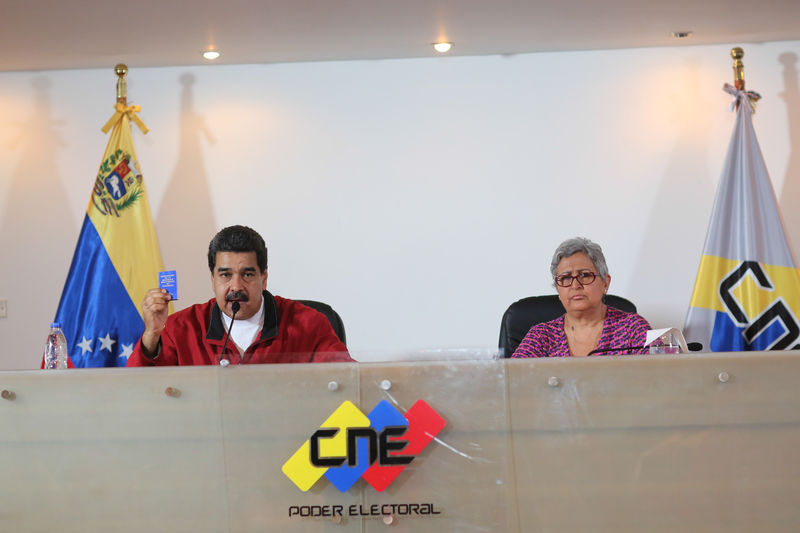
(580, 305)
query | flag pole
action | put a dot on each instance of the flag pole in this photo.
(122, 107)
(122, 86)
(738, 68)
(738, 80)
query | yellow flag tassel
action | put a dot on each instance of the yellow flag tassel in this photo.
(129, 111)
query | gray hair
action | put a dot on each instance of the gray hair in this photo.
(576, 245)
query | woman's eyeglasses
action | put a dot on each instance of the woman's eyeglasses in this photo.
(584, 278)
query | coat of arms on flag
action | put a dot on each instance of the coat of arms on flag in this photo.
(747, 292)
(117, 258)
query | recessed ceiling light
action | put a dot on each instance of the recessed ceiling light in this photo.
(211, 55)
(681, 34)
(442, 48)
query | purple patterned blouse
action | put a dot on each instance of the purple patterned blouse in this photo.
(620, 329)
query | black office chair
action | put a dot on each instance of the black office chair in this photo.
(333, 317)
(522, 314)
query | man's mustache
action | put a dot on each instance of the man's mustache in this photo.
(237, 296)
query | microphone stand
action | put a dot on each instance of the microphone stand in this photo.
(693, 347)
(223, 361)
(616, 349)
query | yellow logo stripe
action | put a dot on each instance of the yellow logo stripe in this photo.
(298, 467)
(752, 297)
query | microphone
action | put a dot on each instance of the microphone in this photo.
(694, 346)
(235, 308)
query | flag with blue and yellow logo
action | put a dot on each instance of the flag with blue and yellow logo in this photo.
(117, 258)
(747, 293)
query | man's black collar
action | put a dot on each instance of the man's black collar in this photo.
(216, 328)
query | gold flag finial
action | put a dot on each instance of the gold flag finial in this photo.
(121, 108)
(738, 68)
(737, 91)
(122, 87)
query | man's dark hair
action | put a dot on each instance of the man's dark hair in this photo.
(238, 239)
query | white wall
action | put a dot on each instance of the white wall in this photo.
(418, 197)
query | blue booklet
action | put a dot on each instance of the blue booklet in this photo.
(169, 280)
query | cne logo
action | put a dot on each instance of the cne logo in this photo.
(772, 328)
(350, 445)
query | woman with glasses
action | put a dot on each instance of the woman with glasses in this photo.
(589, 327)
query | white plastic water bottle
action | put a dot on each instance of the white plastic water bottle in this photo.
(55, 351)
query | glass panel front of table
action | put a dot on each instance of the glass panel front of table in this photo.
(706, 442)
(110, 450)
(459, 481)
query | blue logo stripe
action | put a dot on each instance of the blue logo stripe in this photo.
(728, 337)
(343, 477)
(385, 414)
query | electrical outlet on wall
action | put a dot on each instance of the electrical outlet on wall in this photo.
(3, 308)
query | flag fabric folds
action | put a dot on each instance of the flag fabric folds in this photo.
(747, 292)
(116, 260)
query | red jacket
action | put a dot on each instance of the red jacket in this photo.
(292, 333)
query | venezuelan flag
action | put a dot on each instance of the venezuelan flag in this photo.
(116, 260)
(747, 293)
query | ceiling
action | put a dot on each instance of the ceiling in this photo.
(68, 34)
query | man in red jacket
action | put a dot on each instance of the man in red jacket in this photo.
(266, 329)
